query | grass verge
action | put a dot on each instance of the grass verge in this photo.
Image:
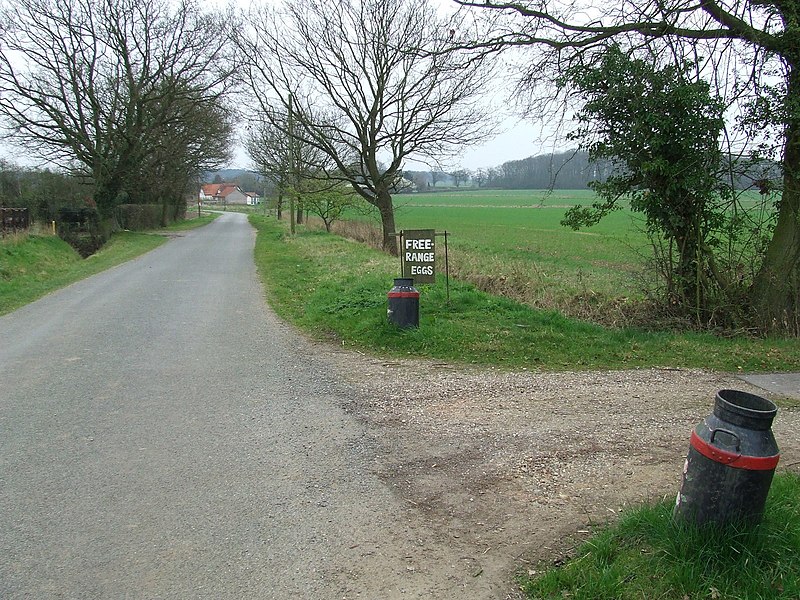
(191, 222)
(33, 265)
(647, 555)
(336, 289)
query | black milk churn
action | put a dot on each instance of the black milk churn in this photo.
(731, 461)
(404, 303)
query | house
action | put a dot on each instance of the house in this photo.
(225, 193)
(252, 199)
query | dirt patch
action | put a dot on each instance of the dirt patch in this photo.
(509, 471)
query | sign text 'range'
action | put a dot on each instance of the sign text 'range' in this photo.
(419, 255)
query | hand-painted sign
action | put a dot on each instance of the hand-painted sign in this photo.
(418, 253)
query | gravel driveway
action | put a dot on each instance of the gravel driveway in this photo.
(165, 436)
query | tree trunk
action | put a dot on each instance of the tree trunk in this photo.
(776, 290)
(384, 204)
(105, 198)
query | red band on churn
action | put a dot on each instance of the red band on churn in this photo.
(732, 459)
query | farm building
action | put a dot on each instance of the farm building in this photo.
(227, 193)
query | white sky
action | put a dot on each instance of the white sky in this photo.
(517, 140)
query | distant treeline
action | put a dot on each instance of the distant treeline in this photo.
(570, 170)
(566, 170)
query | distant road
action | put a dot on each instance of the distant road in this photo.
(162, 435)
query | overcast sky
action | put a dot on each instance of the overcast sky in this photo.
(516, 138)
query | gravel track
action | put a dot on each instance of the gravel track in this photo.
(165, 436)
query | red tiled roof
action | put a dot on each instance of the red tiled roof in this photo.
(219, 190)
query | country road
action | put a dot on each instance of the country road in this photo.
(163, 435)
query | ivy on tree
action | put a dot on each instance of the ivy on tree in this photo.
(660, 130)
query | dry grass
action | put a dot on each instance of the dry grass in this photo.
(36, 229)
(361, 231)
(525, 283)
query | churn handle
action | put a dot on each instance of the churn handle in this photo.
(730, 433)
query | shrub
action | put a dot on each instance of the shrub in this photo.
(138, 217)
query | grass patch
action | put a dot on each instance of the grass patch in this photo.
(33, 265)
(647, 555)
(335, 288)
(511, 243)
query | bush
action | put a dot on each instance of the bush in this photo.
(139, 217)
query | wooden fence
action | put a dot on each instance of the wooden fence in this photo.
(14, 219)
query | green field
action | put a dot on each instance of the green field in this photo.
(509, 198)
(512, 243)
(336, 290)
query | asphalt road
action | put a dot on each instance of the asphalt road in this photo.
(162, 435)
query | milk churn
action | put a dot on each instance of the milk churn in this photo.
(404, 303)
(731, 461)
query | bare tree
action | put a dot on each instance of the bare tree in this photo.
(268, 148)
(750, 50)
(460, 176)
(103, 85)
(197, 138)
(284, 163)
(437, 175)
(480, 177)
(369, 85)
